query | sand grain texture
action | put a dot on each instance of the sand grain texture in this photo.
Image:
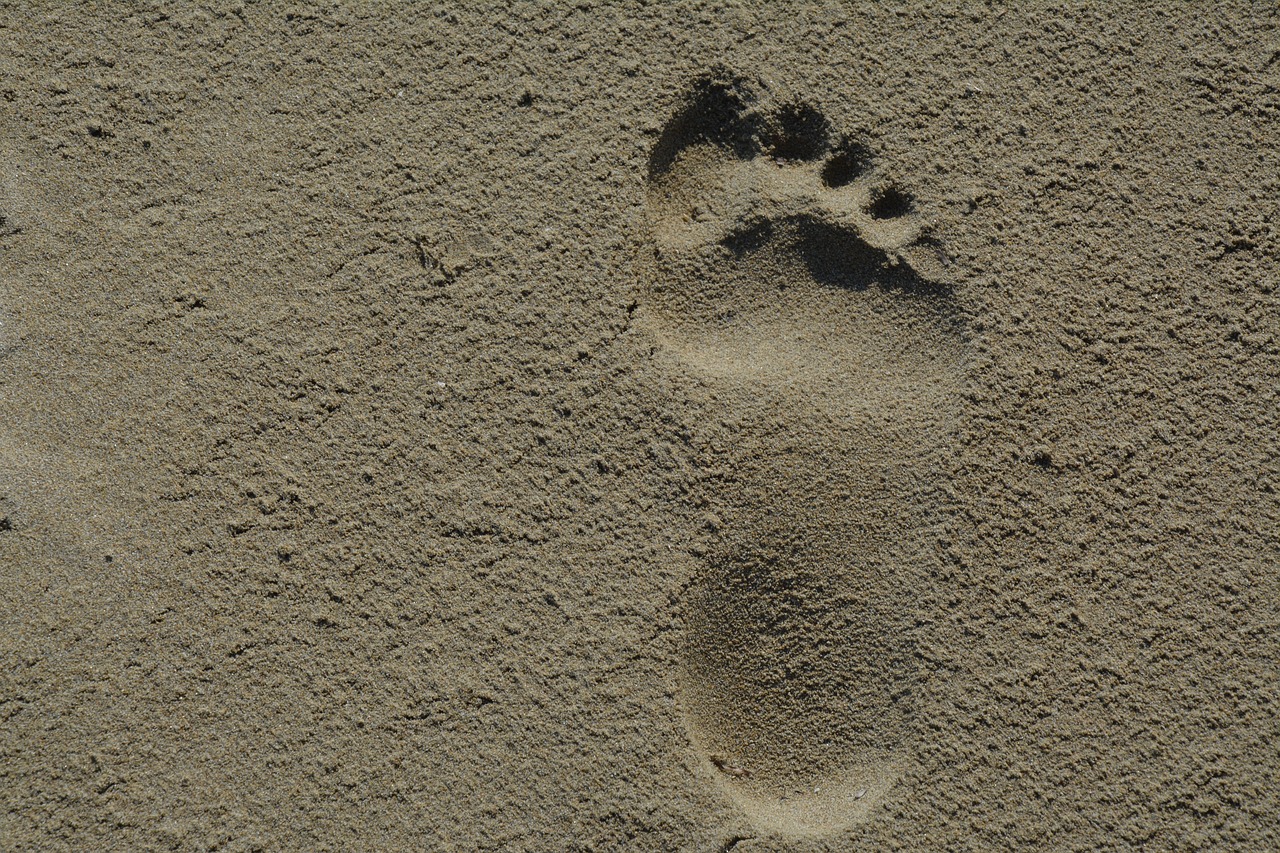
(681, 427)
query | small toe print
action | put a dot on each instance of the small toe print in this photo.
(850, 162)
(796, 133)
(890, 203)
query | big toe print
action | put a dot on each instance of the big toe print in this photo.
(791, 272)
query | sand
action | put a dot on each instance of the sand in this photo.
(640, 427)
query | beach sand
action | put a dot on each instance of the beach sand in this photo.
(701, 426)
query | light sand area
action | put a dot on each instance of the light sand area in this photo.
(708, 427)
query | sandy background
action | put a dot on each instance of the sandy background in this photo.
(369, 479)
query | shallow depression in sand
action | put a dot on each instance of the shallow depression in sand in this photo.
(784, 268)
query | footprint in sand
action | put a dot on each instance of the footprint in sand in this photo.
(791, 273)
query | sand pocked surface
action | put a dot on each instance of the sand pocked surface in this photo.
(622, 427)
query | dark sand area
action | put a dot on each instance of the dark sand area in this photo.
(584, 426)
